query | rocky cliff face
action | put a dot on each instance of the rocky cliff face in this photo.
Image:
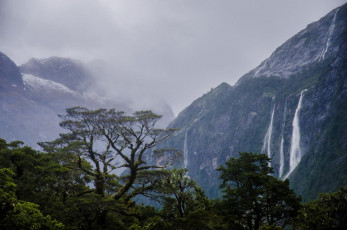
(9, 73)
(313, 44)
(291, 107)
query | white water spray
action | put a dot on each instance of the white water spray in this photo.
(282, 140)
(185, 151)
(327, 38)
(295, 150)
(267, 138)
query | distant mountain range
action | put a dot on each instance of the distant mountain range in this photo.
(292, 107)
(33, 94)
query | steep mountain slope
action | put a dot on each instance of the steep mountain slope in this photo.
(291, 107)
(9, 73)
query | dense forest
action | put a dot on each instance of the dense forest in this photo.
(98, 174)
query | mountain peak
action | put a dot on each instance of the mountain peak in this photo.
(66, 71)
(9, 73)
(317, 42)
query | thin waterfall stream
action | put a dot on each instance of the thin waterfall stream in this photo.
(295, 149)
(327, 38)
(267, 139)
(282, 140)
(185, 151)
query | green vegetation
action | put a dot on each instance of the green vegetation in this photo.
(73, 184)
(329, 211)
(252, 198)
(19, 214)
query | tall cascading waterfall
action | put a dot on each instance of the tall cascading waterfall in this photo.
(267, 139)
(185, 151)
(295, 150)
(327, 38)
(282, 140)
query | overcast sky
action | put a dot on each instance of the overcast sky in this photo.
(175, 50)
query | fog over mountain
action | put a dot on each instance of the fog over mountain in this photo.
(170, 51)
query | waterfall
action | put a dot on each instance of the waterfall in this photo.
(267, 138)
(185, 151)
(281, 158)
(327, 38)
(295, 151)
(282, 140)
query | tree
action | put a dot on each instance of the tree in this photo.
(181, 194)
(18, 214)
(185, 206)
(252, 197)
(40, 180)
(112, 140)
(329, 211)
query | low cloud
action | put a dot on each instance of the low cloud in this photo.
(167, 50)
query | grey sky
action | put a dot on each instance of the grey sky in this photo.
(175, 50)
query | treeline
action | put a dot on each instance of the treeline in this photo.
(91, 176)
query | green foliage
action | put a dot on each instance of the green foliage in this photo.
(43, 191)
(185, 205)
(17, 214)
(40, 179)
(252, 197)
(181, 195)
(26, 215)
(329, 211)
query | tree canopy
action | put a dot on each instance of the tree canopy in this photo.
(329, 211)
(252, 197)
(88, 179)
(113, 141)
(19, 214)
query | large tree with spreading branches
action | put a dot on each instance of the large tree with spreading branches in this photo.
(117, 146)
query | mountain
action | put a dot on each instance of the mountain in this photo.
(291, 107)
(29, 104)
(32, 96)
(9, 73)
(66, 71)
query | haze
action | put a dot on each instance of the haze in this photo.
(173, 51)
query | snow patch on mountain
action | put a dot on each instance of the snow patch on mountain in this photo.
(37, 83)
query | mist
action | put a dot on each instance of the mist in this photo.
(156, 51)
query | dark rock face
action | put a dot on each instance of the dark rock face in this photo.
(9, 73)
(228, 120)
